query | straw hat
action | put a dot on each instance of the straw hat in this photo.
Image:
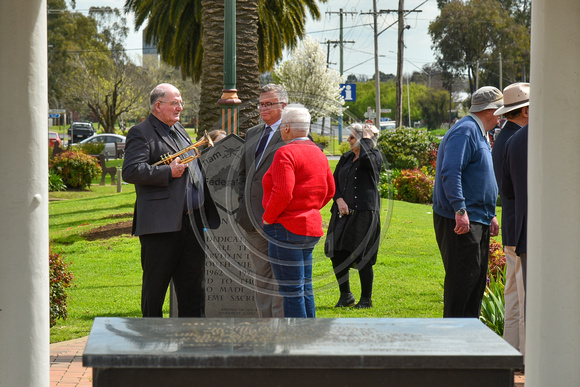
(486, 97)
(515, 96)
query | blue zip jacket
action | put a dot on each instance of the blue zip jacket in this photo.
(464, 176)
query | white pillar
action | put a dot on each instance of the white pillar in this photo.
(24, 313)
(553, 293)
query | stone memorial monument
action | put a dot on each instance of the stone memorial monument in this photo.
(229, 271)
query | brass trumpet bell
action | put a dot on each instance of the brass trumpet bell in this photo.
(167, 159)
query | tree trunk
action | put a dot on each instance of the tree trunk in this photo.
(248, 74)
(212, 21)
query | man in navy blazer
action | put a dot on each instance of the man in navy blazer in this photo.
(172, 207)
(515, 187)
(516, 99)
(262, 142)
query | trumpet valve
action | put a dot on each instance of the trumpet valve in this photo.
(166, 159)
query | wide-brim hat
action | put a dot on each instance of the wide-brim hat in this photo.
(484, 98)
(515, 96)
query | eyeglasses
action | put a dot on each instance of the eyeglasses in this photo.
(174, 104)
(268, 105)
(351, 137)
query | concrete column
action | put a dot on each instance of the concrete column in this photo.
(553, 306)
(24, 313)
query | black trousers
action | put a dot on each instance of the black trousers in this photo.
(465, 258)
(179, 256)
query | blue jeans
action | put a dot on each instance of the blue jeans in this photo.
(291, 258)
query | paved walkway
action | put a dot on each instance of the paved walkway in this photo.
(66, 365)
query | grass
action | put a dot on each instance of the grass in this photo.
(408, 274)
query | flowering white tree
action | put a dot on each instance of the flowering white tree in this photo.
(310, 82)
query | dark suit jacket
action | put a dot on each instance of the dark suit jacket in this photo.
(508, 210)
(160, 198)
(515, 183)
(250, 188)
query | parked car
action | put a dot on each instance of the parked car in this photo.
(109, 139)
(53, 138)
(388, 125)
(79, 131)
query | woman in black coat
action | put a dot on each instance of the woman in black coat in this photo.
(354, 231)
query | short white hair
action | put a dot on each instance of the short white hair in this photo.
(357, 130)
(297, 117)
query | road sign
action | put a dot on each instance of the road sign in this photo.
(385, 110)
(53, 115)
(348, 91)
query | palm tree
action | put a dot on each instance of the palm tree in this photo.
(189, 35)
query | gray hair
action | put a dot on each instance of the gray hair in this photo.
(159, 92)
(357, 130)
(298, 117)
(278, 89)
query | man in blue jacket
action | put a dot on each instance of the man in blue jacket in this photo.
(464, 199)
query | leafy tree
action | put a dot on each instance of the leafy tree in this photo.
(88, 69)
(366, 98)
(434, 106)
(189, 35)
(476, 32)
(310, 82)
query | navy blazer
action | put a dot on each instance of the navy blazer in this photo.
(508, 211)
(160, 198)
(515, 183)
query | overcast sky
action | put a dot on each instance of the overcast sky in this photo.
(358, 27)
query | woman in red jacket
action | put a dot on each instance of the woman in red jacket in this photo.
(297, 185)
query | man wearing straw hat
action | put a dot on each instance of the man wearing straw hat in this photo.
(464, 199)
(516, 111)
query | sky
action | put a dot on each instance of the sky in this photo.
(357, 27)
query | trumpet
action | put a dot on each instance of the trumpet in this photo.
(168, 158)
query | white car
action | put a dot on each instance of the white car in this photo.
(388, 125)
(109, 139)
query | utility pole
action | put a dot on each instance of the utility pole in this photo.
(341, 40)
(400, 49)
(341, 43)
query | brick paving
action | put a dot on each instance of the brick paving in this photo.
(66, 365)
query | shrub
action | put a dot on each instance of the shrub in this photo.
(496, 258)
(76, 169)
(60, 280)
(386, 188)
(55, 182)
(414, 186)
(318, 139)
(408, 148)
(344, 147)
(92, 148)
(493, 304)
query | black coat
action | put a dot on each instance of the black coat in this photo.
(160, 198)
(515, 183)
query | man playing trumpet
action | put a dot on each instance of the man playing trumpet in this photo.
(172, 207)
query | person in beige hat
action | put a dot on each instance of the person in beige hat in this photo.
(516, 111)
(464, 199)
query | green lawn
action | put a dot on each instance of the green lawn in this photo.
(408, 274)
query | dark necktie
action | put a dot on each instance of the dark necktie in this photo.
(181, 144)
(262, 143)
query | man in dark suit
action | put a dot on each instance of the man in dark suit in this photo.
(515, 187)
(261, 143)
(516, 99)
(173, 206)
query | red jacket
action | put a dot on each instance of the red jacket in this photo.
(297, 185)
